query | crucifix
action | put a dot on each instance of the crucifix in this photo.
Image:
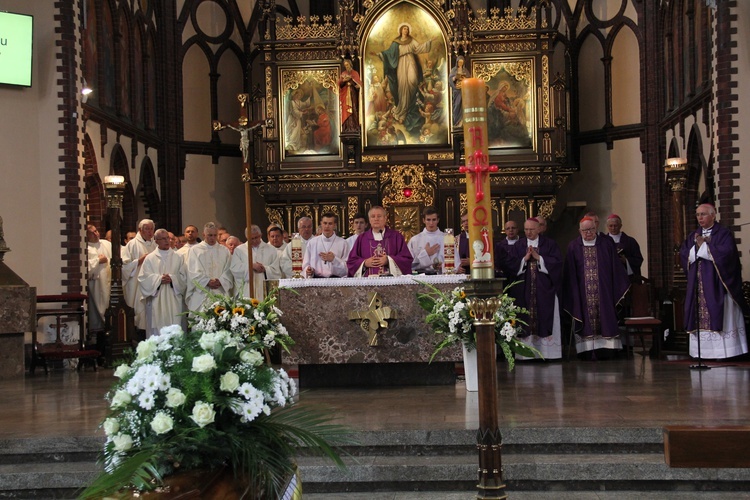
(244, 127)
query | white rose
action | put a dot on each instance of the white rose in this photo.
(203, 413)
(121, 371)
(204, 363)
(208, 341)
(111, 426)
(175, 397)
(121, 398)
(145, 349)
(171, 330)
(162, 423)
(250, 357)
(123, 442)
(229, 382)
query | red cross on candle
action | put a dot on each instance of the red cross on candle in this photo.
(478, 166)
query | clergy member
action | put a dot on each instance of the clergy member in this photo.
(462, 242)
(191, 239)
(595, 282)
(304, 227)
(710, 258)
(99, 253)
(325, 255)
(162, 282)
(133, 255)
(275, 236)
(264, 258)
(232, 243)
(539, 268)
(359, 224)
(505, 264)
(427, 246)
(379, 251)
(627, 248)
(207, 264)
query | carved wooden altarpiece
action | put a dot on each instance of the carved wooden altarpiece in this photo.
(405, 148)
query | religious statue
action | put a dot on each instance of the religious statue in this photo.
(244, 135)
(349, 86)
(457, 75)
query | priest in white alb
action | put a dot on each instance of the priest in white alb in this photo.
(133, 255)
(162, 282)
(325, 255)
(305, 229)
(264, 258)
(98, 256)
(427, 247)
(207, 266)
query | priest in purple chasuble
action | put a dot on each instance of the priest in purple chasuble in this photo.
(712, 264)
(379, 250)
(595, 282)
(537, 263)
(628, 248)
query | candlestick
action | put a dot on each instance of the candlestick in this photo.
(449, 249)
(477, 169)
(296, 256)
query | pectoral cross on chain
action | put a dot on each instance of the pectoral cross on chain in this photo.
(478, 163)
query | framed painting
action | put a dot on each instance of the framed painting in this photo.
(405, 68)
(511, 110)
(309, 112)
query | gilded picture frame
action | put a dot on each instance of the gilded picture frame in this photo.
(405, 78)
(309, 111)
(511, 107)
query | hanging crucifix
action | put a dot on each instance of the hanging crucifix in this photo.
(244, 127)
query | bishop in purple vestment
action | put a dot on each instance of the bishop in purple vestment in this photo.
(538, 263)
(627, 248)
(380, 250)
(710, 259)
(594, 282)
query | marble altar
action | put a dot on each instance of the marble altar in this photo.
(335, 350)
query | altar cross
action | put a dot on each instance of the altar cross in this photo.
(244, 127)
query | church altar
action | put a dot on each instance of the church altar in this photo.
(332, 349)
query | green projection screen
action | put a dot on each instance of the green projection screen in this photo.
(16, 40)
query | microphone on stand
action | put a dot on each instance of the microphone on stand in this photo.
(700, 365)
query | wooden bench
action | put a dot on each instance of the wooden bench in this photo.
(62, 306)
(708, 447)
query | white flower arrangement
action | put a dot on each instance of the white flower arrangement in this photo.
(205, 399)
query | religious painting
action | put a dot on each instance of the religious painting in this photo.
(309, 112)
(511, 111)
(405, 69)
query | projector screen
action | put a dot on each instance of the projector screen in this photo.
(16, 41)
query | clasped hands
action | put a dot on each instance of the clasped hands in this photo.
(165, 279)
(381, 261)
(700, 240)
(531, 253)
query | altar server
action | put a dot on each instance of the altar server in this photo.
(325, 255)
(427, 246)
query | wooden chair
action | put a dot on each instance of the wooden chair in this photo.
(642, 321)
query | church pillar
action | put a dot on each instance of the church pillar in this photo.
(676, 172)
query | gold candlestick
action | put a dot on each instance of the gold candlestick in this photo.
(477, 169)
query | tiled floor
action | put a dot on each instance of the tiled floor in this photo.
(619, 393)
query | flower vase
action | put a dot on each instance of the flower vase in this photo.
(470, 369)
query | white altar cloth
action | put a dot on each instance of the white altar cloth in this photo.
(409, 279)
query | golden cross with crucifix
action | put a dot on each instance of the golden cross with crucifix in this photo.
(244, 127)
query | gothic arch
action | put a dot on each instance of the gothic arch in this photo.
(148, 193)
(699, 187)
(93, 190)
(119, 166)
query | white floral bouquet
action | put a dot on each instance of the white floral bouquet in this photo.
(448, 315)
(205, 399)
